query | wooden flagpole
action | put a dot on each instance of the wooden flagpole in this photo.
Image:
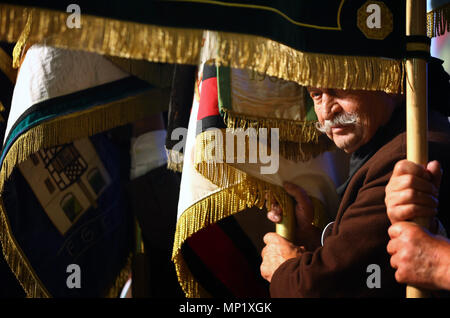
(286, 228)
(416, 103)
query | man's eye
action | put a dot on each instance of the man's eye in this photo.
(315, 95)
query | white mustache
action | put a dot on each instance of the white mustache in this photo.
(342, 119)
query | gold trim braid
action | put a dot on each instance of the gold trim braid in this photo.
(60, 131)
(184, 46)
(438, 21)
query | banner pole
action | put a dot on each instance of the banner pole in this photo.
(286, 228)
(416, 104)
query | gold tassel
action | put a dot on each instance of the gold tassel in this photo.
(61, 131)
(438, 21)
(184, 46)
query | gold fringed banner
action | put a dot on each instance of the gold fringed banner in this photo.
(184, 46)
(438, 21)
(59, 131)
(209, 210)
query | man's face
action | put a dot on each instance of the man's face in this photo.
(351, 117)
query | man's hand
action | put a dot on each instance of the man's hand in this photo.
(275, 253)
(412, 191)
(306, 234)
(420, 259)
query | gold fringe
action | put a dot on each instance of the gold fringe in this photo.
(175, 160)
(184, 46)
(310, 69)
(56, 132)
(299, 140)
(121, 279)
(289, 130)
(438, 21)
(6, 66)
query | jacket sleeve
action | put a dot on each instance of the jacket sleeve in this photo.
(342, 267)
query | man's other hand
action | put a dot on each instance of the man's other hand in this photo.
(276, 252)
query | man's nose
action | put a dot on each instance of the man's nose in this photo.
(330, 106)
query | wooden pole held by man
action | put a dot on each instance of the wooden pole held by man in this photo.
(416, 102)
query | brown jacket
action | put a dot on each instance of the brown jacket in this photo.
(359, 236)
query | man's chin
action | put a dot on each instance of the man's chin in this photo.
(345, 144)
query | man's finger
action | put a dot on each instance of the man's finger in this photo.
(404, 229)
(392, 246)
(407, 212)
(273, 238)
(408, 167)
(411, 196)
(409, 181)
(273, 216)
(395, 230)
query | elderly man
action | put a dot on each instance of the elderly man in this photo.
(419, 257)
(349, 259)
